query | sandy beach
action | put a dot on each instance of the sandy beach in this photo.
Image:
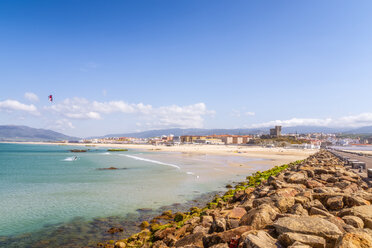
(359, 151)
(271, 156)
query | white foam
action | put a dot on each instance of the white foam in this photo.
(152, 161)
(69, 159)
(190, 173)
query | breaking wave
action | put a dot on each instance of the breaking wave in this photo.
(69, 159)
(152, 161)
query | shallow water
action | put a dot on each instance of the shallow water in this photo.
(43, 187)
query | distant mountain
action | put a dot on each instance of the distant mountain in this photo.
(239, 131)
(179, 132)
(312, 129)
(24, 133)
(360, 130)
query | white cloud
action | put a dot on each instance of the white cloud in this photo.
(32, 97)
(156, 117)
(235, 113)
(238, 113)
(62, 124)
(364, 119)
(13, 105)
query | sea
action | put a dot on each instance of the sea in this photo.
(52, 197)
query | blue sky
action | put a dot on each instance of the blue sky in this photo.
(121, 66)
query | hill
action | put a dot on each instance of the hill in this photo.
(241, 131)
(24, 133)
(189, 131)
(361, 130)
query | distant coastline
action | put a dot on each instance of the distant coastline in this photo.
(273, 156)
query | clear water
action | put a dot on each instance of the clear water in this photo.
(43, 185)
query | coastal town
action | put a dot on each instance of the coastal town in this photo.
(185, 124)
(274, 138)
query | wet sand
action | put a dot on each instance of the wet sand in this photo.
(80, 232)
(359, 151)
(270, 156)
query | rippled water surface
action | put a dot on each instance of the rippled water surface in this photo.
(47, 186)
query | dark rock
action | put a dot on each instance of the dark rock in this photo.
(308, 225)
(311, 240)
(335, 203)
(259, 217)
(353, 221)
(114, 230)
(352, 201)
(221, 245)
(363, 212)
(232, 223)
(298, 178)
(206, 221)
(260, 239)
(224, 237)
(297, 209)
(159, 244)
(317, 211)
(218, 225)
(195, 239)
(162, 234)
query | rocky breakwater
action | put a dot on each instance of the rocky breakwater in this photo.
(312, 203)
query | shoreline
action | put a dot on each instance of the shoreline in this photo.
(316, 202)
(270, 156)
(58, 235)
(271, 160)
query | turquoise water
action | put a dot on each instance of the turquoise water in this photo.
(42, 185)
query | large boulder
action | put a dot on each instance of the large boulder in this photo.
(353, 221)
(308, 225)
(311, 240)
(286, 192)
(355, 239)
(221, 245)
(237, 213)
(196, 240)
(283, 203)
(335, 203)
(224, 237)
(365, 195)
(259, 239)
(263, 200)
(297, 177)
(313, 184)
(298, 244)
(259, 217)
(206, 221)
(363, 212)
(315, 203)
(159, 244)
(218, 225)
(352, 201)
(162, 234)
(201, 229)
(317, 211)
(297, 209)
